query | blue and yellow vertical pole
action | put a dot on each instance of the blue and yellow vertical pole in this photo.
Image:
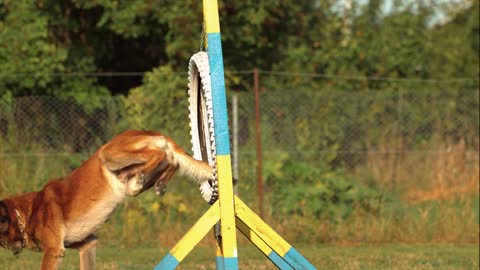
(227, 257)
(228, 208)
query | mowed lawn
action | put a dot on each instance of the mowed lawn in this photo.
(395, 257)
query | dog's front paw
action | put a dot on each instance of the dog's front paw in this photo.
(141, 179)
(135, 184)
(160, 188)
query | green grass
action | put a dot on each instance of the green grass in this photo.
(385, 257)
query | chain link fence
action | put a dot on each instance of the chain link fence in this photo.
(416, 137)
(396, 133)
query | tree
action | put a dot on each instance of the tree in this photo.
(41, 39)
(32, 56)
(456, 42)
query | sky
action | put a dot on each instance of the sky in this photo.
(388, 5)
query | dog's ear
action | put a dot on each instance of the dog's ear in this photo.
(4, 217)
(4, 222)
(116, 161)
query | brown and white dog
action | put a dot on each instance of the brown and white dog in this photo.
(67, 212)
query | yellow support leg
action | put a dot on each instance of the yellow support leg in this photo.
(190, 239)
(284, 256)
(262, 246)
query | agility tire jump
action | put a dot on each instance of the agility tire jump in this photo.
(210, 140)
(201, 119)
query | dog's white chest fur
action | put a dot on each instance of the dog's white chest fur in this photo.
(88, 223)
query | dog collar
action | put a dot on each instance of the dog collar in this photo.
(21, 228)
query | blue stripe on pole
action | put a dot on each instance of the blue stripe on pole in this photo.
(230, 263)
(220, 116)
(219, 263)
(279, 261)
(296, 260)
(167, 263)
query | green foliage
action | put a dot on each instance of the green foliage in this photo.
(26, 48)
(159, 104)
(42, 38)
(455, 48)
(319, 191)
(32, 60)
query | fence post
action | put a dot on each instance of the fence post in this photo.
(258, 136)
(397, 136)
(235, 143)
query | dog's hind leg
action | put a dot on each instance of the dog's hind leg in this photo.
(86, 252)
(161, 183)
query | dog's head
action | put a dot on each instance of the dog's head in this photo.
(10, 237)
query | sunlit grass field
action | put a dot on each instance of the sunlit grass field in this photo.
(393, 257)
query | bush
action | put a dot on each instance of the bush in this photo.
(319, 191)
